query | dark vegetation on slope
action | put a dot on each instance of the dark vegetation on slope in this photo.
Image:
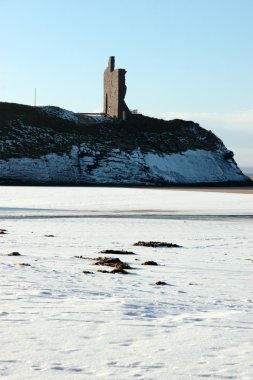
(27, 131)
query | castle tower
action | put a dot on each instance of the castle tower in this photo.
(115, 91)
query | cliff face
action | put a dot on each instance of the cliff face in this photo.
(48, 145)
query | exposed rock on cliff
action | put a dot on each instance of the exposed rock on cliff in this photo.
(49, 145)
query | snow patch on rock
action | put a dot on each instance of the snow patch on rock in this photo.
(83, 165)
(60, 113)
(193, 166)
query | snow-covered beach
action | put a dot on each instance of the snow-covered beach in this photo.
(57, 322)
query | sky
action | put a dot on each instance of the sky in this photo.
(188, 59)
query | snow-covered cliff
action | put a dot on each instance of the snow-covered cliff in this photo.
(49, 145)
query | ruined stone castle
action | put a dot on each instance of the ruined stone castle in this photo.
(115, 91)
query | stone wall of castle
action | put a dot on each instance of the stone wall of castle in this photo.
(115, 91)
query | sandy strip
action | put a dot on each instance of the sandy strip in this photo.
(227, 189)
(239, 190)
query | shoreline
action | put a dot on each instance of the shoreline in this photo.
(234, 190)
(231, 187)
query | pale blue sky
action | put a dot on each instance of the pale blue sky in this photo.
(184, 58)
